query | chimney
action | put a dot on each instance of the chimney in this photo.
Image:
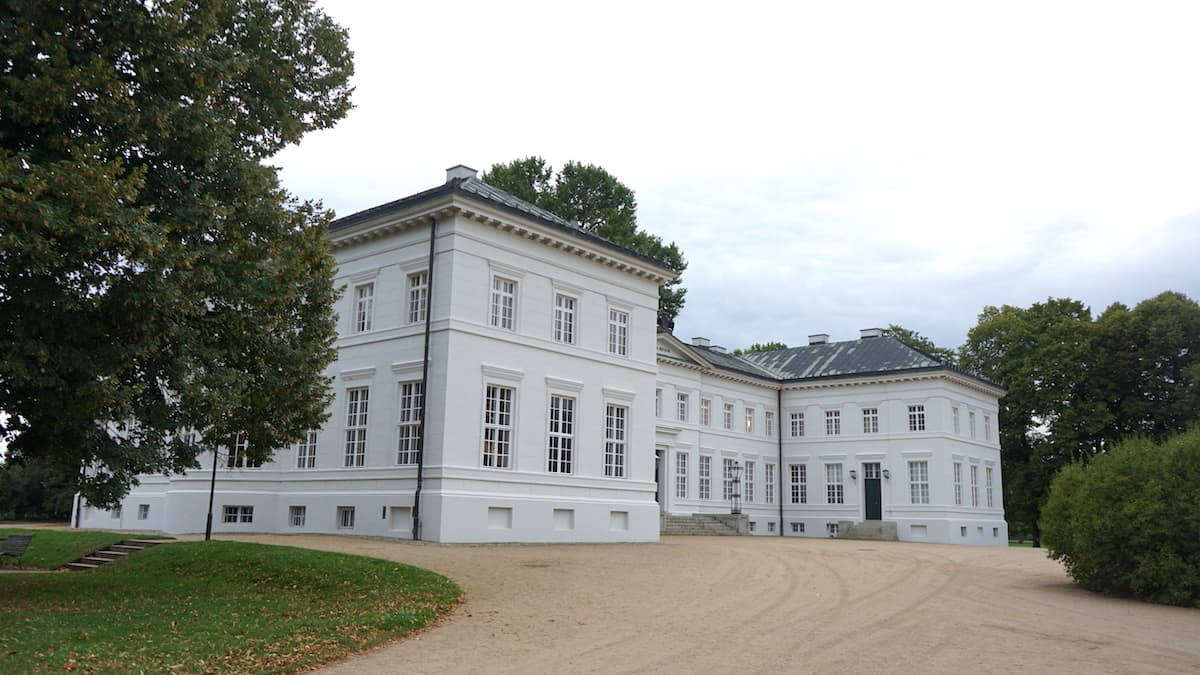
(867, 333)
(459, 171)
(718, 349)
(818, 339)
(700, 342)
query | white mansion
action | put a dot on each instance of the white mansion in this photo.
(526, 354)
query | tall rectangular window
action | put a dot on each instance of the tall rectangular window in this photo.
(615, 417)
(144, 510)
(954, 414)
(418, 296)
(364, 307)
(618, 332)
(728, 421)
(497, 426)
(870, 420)
(705, 477)
(239, 455)
(681, 475)
(769, 483)
(748, 483)
(987, 427)
(726, 479)
(833, 422)
(799, 483)
(834, 489)
(408, 422)
(658, 403)
(958, 483)
(797, 424)
(974, 485)
(918, 482)
(681, 405)
(706, 411)
(504, 303)
(356, 426)
(306, 451)
(749, 420)
(987, 476)
(564, 319)
(769, 422)
(561, 444)
(916, 417)
(971, 424)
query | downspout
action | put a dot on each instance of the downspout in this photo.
(779, 470)
(416, 511)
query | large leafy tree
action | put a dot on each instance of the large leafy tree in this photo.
(761, 347)
(923, 344)
(600, 203)
(154, 277)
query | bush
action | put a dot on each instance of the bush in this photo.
(1128, 523)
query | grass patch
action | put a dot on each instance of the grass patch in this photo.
(214, 606)
(51, 549)
(1020, 544)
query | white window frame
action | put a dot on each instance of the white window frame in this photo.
(358, 401)
(705, 477)
(768, 482)
(833, 422)
(988, 476)
(681, 406)
(706, 412)
(971, 424)
(345, 517)
(560, 434)
(954, 414)
(658, 403)
(364, 307)
(835, 487)
(237, 513)
(916, 417)
(918, 481)
(410, 406)
(769, 422)
(618, 331)
(987, 428)
(870, 420)
(616, 435)
(143, 512)
(975, 485)
(502, 309)
(681, 475)
(727, 478)
(797, 424)
(749, 420)
(728, 416)
(297, 515)
(306, 451)
(238, 454)
(798, 480)
(565, 315)
(958, 483)
(499, 429)
(748, 482)
(418, 296)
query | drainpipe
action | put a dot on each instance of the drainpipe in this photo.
(779, 469)
(416, 511)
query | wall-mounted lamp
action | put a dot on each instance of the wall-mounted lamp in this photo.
(887, 474)
(853, 474)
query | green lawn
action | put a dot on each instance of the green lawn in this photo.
(213, 606)
(51, 549)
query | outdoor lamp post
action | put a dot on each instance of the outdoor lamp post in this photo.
(735, 489)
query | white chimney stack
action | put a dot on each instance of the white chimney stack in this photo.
(700, 342)
(459, 171)
(818, 339)
(866, 333)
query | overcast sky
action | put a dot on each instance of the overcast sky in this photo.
(824, 166)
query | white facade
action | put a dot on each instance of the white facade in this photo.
(540, 424)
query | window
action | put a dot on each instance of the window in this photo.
(615, 417)
(408, 422)
(364, 307)
(658, 403)
(769, 483)
(144, 510)
(834, 490)
(831, 529)
(706, 411)
(618, 332)
(769, 422)
(995, 532)
(799, 473)
(296, 515)
(797, 425)
(306, 451)
(356, 426)
(681, 401)
(974, 485)
(870, 420)
(916, 418)
(727, 479)
(971, 424)
(771, 527)
(962, 531)
(797, 528)
(345, 517)
(833, 422)
(954, 414)
(918, 482)
(987, 427)
(497, 426)
(958, 483)
(238, 514)
(749, 420)
(504, 303)
(116, 513)
(418, 296)
(987, 476)
(753, 526)
(681, 475)
(748, 483)
(561, 445)
(238, 457)
(564, 319)
(705, 477)
(728, 416)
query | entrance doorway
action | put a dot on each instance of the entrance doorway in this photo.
(872, 491)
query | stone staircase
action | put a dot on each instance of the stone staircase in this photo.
(873, 530)
(111, 553)
(704, 524)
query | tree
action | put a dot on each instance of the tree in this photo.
(154, 277)
(591, 196)
(923, 344)
(760, 347)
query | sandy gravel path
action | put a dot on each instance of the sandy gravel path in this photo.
(758, 604)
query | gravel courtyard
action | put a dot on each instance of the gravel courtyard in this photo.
(769, 604)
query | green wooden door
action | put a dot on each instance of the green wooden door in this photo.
(872, 491)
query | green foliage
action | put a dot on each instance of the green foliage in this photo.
(923, 344)
(760, 347)
(51, 549)
(215, 607)
(600, 203)
(32, 490)
(154, 277)
(1128, 523)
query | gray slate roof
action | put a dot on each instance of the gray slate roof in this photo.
(735, 363)
(833, 359)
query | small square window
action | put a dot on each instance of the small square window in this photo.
(962, 531)
(296, 515)
(771, 527)
(345, 517)
(143, 511)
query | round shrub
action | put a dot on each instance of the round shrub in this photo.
(1128, 522)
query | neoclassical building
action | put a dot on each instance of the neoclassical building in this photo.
(502, 377)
